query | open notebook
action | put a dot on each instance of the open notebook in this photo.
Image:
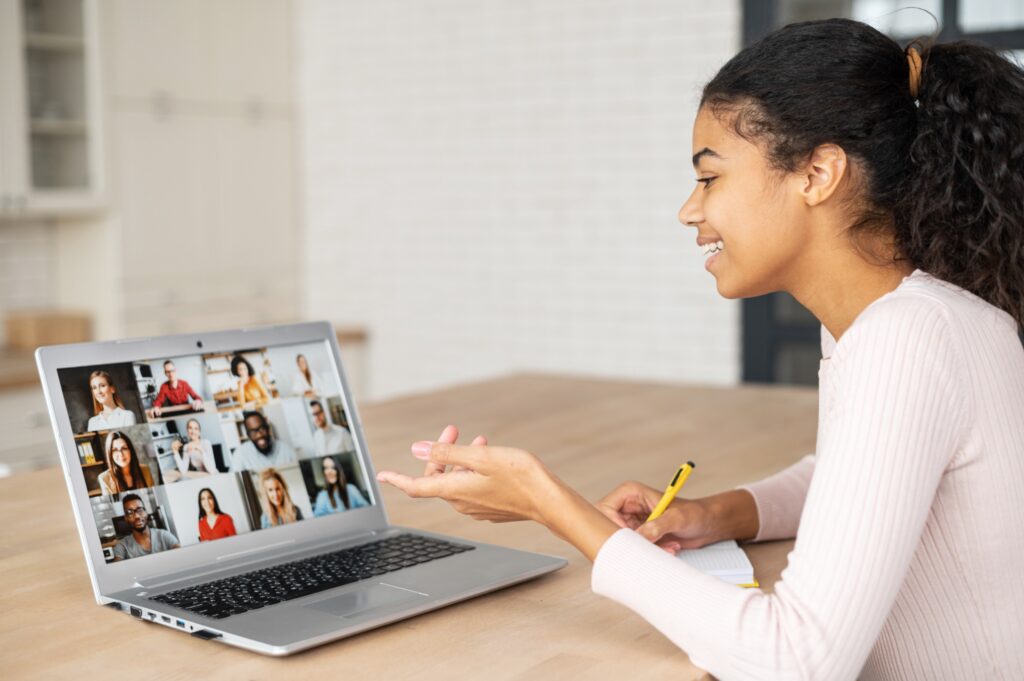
(725, 560)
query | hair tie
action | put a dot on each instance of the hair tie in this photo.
(914, 62)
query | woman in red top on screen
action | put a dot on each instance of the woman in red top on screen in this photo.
(213, 523)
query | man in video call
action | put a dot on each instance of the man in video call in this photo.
(329, 438)
(144, 539)
(175, 392)
(262, 450)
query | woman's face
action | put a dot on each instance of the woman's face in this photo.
(206, 501)
(757, 211)
(194, 433)
(274, 490)
(120, 452)
(101, 390)
(243, 370)
(330, 472)
(301, 361)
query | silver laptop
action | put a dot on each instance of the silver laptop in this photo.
(222, 487)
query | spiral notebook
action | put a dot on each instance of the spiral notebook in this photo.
(725, 560)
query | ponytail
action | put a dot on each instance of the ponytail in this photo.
(944, 170)
(960, 215)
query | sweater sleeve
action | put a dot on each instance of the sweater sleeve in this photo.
(780, 500)
(896, 423)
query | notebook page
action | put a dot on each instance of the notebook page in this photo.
(723, 558)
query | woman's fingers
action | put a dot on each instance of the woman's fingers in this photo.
(449, 435)
(442, 453)
(427, 486)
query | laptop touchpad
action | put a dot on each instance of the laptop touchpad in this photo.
(364, 601)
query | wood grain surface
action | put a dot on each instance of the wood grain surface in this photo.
(593, 433)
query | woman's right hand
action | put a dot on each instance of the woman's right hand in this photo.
(685, 524)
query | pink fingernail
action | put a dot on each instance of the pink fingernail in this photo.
(421, 450)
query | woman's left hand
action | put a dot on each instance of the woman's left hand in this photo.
(499, 484)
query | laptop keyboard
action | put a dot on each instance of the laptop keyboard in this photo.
(253, 590)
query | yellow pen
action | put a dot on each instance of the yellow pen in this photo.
(672, 490)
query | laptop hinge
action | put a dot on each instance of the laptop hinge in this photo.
(240, 559)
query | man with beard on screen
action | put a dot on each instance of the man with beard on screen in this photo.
(262, 450)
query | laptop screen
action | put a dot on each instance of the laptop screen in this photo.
(176, 451)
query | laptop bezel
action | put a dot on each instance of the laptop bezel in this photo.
(108, 578)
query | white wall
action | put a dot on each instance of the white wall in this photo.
(492, 185)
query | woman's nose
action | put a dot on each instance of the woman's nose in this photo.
(691, 214)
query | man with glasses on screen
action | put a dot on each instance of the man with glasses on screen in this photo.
(262, 450)
(144, 539)
(328, 437)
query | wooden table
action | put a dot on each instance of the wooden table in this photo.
(592, 433)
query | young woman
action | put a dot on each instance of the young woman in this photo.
(278, 508)
(107, 408)
(250, 389)
(884, 190)
(213, 523)
(196, 454)
(123, 469)
(338, 494)
(305, 382)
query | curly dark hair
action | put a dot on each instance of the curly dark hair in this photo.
(943, 173)
(236, 361)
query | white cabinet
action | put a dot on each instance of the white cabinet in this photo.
(50, 109)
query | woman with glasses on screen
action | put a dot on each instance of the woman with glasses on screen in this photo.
(124, 471)
(883, 188)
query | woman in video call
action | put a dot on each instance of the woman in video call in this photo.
(883, 187)
(250, 388)
(338, 494)
(123, 469)
(195, 454)
(278, 508)
(305, 381)
(108, 409)
(213, 523)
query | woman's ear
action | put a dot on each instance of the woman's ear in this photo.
(823, 173)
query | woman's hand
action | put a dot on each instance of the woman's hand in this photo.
(685, 524)
(176, 446)
(499, 484)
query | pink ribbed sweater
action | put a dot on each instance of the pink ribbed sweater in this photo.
(909, 561)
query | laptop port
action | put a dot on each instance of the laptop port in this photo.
(135, 612)
(165, 618)
(180, 623)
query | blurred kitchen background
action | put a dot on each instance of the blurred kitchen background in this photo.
(465, 188)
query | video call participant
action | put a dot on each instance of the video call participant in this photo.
(262, 449)
(213, 523)
(108, 409)
(328, 437)
(278, 508)
(338, 493)
(175, 392)
(144, 539)
(123, 469)
(250, 388)
(196, 454)
(306, 382)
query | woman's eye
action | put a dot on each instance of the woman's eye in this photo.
(706, 181)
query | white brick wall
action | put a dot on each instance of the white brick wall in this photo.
(492, 185)
(27, 266)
